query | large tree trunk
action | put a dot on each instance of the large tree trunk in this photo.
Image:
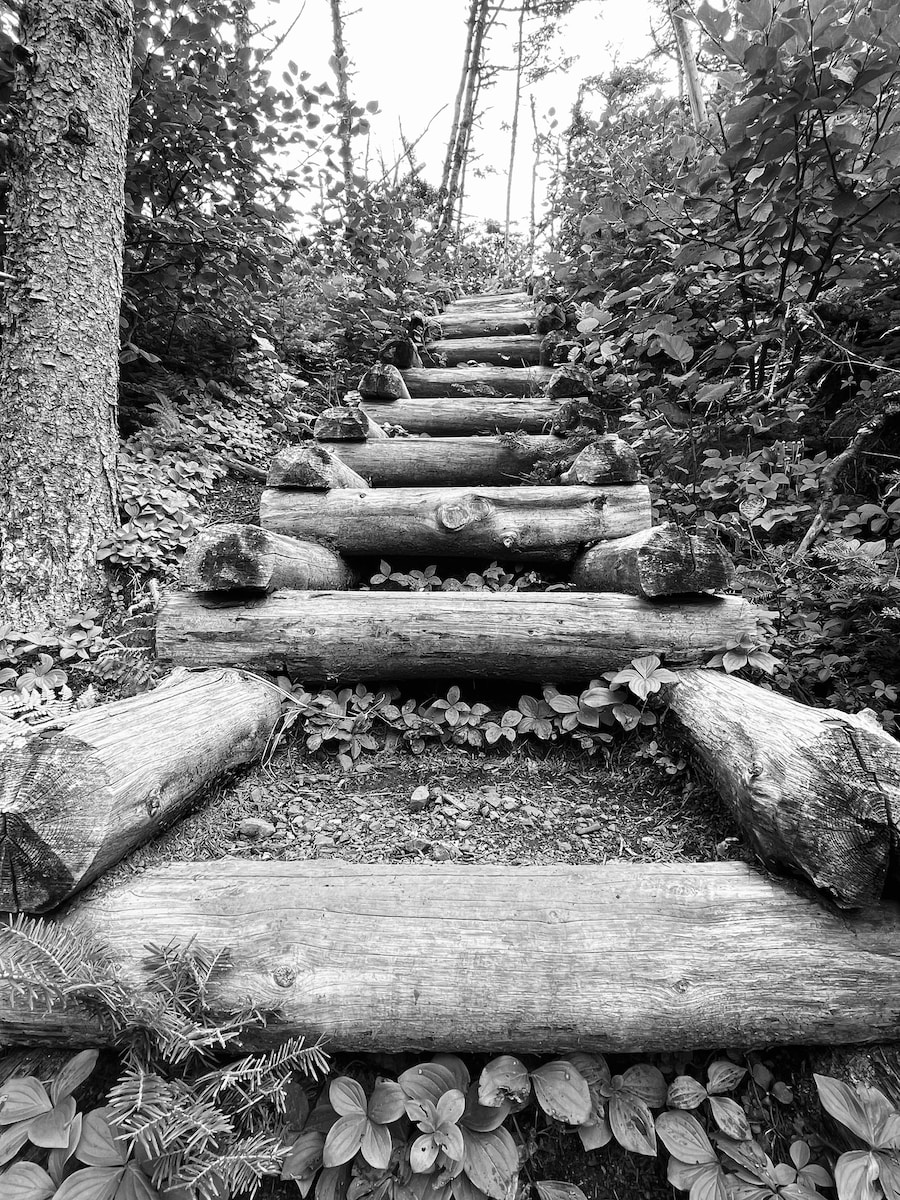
(441, 416)
(498, 351)
(814, 790)
(59, 358)
(475, 381)
(620, 958)
(527, 524)
(468, 117)
(74, 802)
(444, 635)
(457, 106)
(687, 61)
(447, 461)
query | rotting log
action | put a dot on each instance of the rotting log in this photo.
(500, 351)
(228, 558)
(383, 382)
(448, 461)
(478, 324)
(77, 798)
(440, 635)
(347, 422)
(468, 414)
(528, 523)
(815, 791)
(311, 467)
(608, 457)
(623, 957)
(663, 561)
(473, 381)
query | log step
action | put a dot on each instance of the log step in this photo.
(458, 415)
(473, 381)
(486, 323)
(623, 957)
(498, 351)
(516, 299)
(528, 523)
(444, 635)
(461, 461)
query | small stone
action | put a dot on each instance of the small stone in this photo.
(510, 803)
(420, 798)
(255, 827)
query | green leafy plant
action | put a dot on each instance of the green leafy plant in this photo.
(871, 1118)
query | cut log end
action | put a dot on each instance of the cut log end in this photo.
(609, 459)
(312, 468)
(236, 558)
(663, 561)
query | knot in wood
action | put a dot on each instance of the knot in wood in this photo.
(284, 976)
(459, 514)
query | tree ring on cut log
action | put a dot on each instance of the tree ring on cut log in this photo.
(56, 774)
(462, 513)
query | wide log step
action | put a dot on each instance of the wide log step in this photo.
(516, 299)
(614, 958)
(498, 351)
(444, 635)
(472, 381)
(486, 323)
(458, 415)
(527, 523)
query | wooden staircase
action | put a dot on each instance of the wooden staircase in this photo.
(457, 487)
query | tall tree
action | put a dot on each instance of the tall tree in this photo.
(59, 358)
(340, 64)
(467, 119)
(457, 105)
(514, 129)
(687, 61)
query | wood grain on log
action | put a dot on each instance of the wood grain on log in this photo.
(346, 422)
(391, 635)
(663, 561)
(517, 299)
(501, 351)
(75, 801)
(528, 524)
(608, 457)
(228, 558)
(619, 958)
(814, 790)
(474, 381)
(311, 467)
(477, 324)
(448, 461)
(468, 414)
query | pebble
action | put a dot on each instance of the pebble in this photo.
(255, 827)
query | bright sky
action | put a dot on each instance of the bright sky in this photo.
(407, 55)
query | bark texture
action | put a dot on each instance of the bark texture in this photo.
(312, 467)
(462, 414)
(75, 801)
(520, 351)
(814, 790)
(59, 358)
(663, 561)
(229, 558)
(448, 461)
(474, 381)
(390, 635)
(616, 958)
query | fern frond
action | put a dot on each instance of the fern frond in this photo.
(240, 1167)
(256, 1080)
(48, 952)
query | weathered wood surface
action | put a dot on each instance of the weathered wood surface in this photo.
(383, 382)
(529, 524)
(347, 422)
(74, 801)
(391, 635)
(468, 414)
(664, 561)
(607, 457)
(447, 461)
(500, 351)
(814, 790)
(615, 958)
(228, 558)
(516, 299)
(493, 323)
(472, 381)
(312, 467)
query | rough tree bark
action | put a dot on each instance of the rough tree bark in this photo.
(468, 117)
(345, 126)
(457, 106)
(687, 60)
(59, 359)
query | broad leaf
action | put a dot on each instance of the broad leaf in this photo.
(632, 1123)
(332, 1183)
(347, 1097)
(681, 1175)
(343, 1140)
(504, 1078)
(591, 1067)
(12, 1140)
(423, 1154)
(305, 1156)
(685, 1138)
(136, 1186)
(730, 1118)
(646, 1082)
(685, 1092)
(491, 1162)
(842, 1103)
(97, 1147)
(595, 1134)
(93, 1183)
(855, 1174)
(889, 1176)
(427, 1081)
(709, 1183)
(387, 1102)
(21, 1099)
(724, 1076)
(457, 1069)
(450, 1107)
(376, 1146)
(482, 1117)
(74, 1073)
(26, 1181)
(52, 1129)
(562, 1092)
(556, 1189)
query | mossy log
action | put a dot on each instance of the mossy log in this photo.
(663, 561)
(441, 635)
(76, 799)
(229, 558)
(815, 791)
(630, 958)
(474, 381)
(468, 414)
(448, 461)
(312, 468)
(499, 351)
(528, 523)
